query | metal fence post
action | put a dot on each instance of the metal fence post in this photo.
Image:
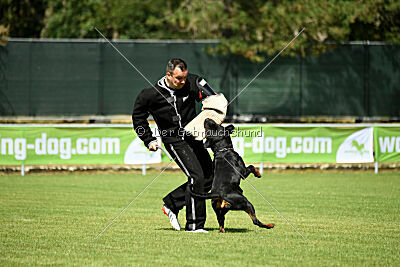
(144, 169)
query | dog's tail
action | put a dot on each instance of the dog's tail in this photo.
(202, 196)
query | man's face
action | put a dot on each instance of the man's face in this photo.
(177, 78)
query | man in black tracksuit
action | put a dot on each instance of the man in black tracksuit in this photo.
(171, 102)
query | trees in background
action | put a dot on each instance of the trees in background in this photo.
(250, 28)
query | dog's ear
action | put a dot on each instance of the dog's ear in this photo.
(207, 144)
(230, 128)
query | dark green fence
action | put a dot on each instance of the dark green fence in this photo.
(88, 77)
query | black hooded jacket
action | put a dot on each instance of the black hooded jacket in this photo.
(171, 110)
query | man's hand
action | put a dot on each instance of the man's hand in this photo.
(153, 146)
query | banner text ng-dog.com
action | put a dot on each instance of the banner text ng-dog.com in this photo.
(59, 146)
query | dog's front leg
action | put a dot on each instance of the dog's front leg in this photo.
(245, 171)
(254, 171)
(251, 169)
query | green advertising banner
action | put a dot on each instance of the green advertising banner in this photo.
(387, 144)
(118, 144)
(304, 144)
(35, 145)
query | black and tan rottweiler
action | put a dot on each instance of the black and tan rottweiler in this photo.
(229, 168)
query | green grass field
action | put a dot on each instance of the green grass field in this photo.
(348, 218)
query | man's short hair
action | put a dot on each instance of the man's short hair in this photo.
(176, 63)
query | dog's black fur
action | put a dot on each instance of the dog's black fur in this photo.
(229, 168)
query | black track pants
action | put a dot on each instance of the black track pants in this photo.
(195, 162)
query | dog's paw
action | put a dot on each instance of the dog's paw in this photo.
(255, 171)
(268, 226)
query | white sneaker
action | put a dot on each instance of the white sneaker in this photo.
(198, 231)
(172, 218)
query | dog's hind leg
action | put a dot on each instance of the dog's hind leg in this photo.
(252, 213)
(220, 212)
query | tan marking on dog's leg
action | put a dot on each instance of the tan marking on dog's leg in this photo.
(225, 204)
(269, 226)
(218, 203)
